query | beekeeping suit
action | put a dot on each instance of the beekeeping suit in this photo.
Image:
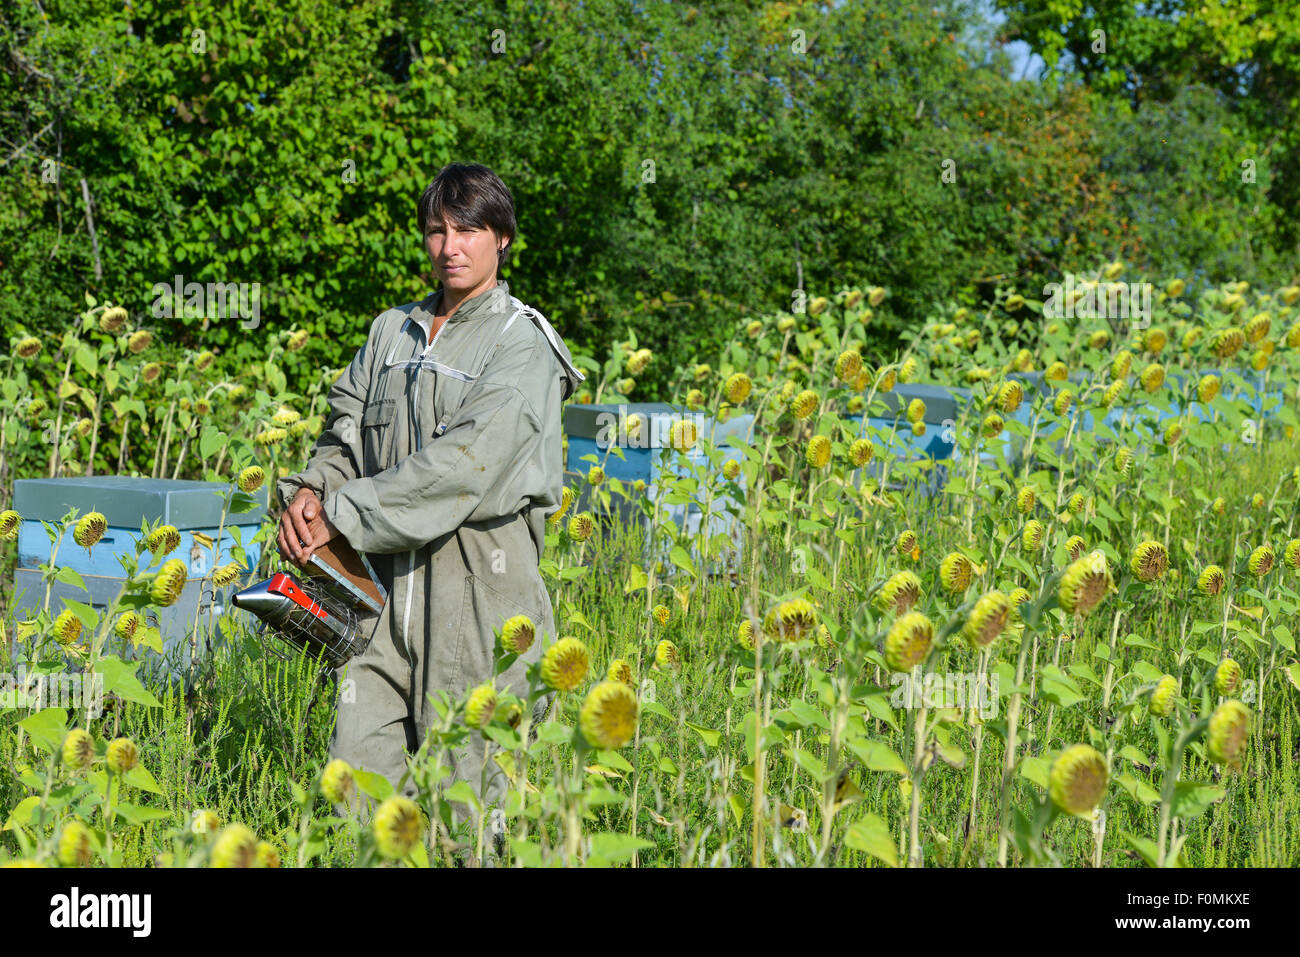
(441, 461)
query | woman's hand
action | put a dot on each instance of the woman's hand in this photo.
(304, 527)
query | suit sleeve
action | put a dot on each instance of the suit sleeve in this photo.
(337, 454)
(487, 465)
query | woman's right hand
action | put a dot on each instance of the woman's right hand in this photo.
(296, 536)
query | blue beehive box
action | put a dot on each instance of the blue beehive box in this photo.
(593, 431)
(892, 435)
(192, 507)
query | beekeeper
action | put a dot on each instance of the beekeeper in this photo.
(441, 461)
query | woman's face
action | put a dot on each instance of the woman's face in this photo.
(463, 258)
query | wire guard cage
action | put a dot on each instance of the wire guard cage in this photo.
(306, 615)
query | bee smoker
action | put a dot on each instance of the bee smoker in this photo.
(306, 616)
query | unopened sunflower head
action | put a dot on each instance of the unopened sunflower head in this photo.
(1257, 500)
(620, 670)
(1078, 779)
(848, 365)
(10, 522)
(67, 627)
(1174, 288)
(885, 380)
(396, 826)
(75, 849)
(608, 717)
(805, 404)
(1219, 506)
(666, 655)
(1017, 596)
(1227, 677)
(1026, 499)
(1293, 336)
(955, 572)
(1075, 504)
(1258, 327)
(1210, 581)
(862, 383)
(1086, 582)
(1163, 697)
(337, 783)
(205, 822)
(1291, 554)
(818, 453)
(1075, 547)
(566, 499)
(992, 425)
(899, 593)
(919, 428)
(1261, 561)
(737, 388)
(78, 750)
(1015, 302)
(1111, 394)
(683, 434)
(1226, 343)
(90, 528)
(1174, 431)
(625, 386)
(113, 320)
(1191, 337)
(730, 469)
(1121, 365)
(875, 296)
(988, 618)
(1031, 539)
(695, 399)
(297, 339)
(908, 641)
(1099, 339)
(662, 615)
(168, 583)
(861, 452)
(139, 341)
(1155, 340)
(1259, 359)
(637, 361)
(27, 347)
(203, 360)
(564, 666)
(122, 755)
(906, 543)
(1056, 373)
(250, 479)
(853, 298)
(855, 404)
(1229, 729)
(817, 305)
(581, 526)
(268, 437)
(1152, 377)
(1207, 388)
(517, 634)
(1061, 404)
(481, 706)
(1149, 561)
(129, 625)
(916, 411)
(163, 540)
(790, 620)
(1123, 459)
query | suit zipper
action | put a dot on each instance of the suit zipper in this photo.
(419, 444)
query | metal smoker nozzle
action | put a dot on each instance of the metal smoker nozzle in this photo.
(259, 599)
(305, 617)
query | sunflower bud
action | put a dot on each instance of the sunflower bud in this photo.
(1161, 704)
(1026, 499)
(1032, 537)
(1078, 779)
(908, 641)
(27, 347)
(129, 625)
(849, 364)
(10, 522)
(805, 404)
(790, 620)
(580, 527)
(899, 593)
(482, 705)
(78, 750)
(67, 627)
(564, 666)
(139, 341)
(1085, 583)
(1261, 561)
(1227, 734)
(164, 539)
(75, 849)
(168, 583)
(1149, 561)
(1227, 677)
(608, 717)
(517, 634)
(987, 619)
(621, 670)
(90, 529)
(955, 572)
(227, 574)
(122, 756)
(818, 454)
(251, 479)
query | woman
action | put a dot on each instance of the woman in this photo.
(441, 460)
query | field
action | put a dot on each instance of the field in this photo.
(1078, 652)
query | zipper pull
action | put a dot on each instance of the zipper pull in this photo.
(442, 427)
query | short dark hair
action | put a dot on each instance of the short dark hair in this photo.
(471, 195)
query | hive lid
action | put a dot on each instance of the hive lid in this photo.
(125, 501)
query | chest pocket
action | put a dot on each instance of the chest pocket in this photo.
(377, 434)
